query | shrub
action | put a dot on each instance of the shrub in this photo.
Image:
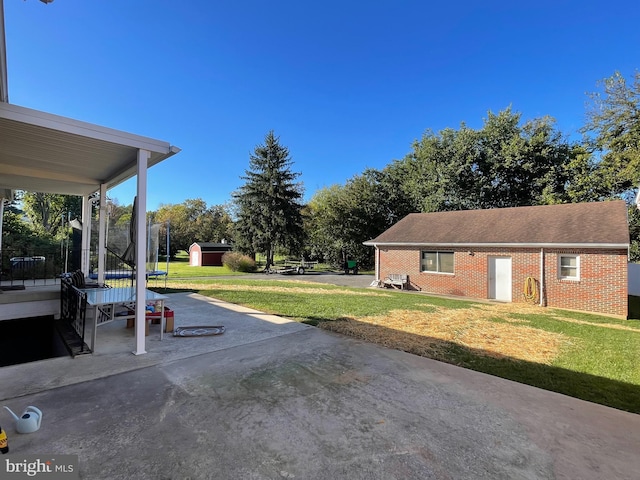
(236, 262)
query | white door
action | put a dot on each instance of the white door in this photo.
(500, 287)
(195, 259)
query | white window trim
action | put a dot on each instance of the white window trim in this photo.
(572, 255)
(438, 272)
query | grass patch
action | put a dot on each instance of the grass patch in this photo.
(587, 356)
(308, 301)
(182, 270)
(179, 268)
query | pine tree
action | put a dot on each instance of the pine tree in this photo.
(268, 205)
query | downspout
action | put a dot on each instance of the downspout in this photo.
(542, 277)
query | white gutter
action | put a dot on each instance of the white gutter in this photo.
(30, 116)
(509, 245)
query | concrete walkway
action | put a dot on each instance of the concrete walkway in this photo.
(273, 399)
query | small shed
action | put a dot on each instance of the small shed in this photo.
(207, 254)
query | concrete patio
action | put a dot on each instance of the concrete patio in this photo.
(272, 398)
(115, 342)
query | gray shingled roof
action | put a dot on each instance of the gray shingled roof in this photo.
(580, 224)
(207, 246)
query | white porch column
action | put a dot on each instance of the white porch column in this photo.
(1, 221)
(86, 234)
(102, 233)
(141, 251)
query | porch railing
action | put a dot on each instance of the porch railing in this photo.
(73, 316)
(26, 266)
(118, 273)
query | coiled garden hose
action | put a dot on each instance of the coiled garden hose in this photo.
(530, 291)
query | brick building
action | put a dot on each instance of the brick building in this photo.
(571, 256)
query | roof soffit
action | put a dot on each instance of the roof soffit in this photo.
(48, 153)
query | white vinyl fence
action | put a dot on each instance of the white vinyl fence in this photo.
(634, 279)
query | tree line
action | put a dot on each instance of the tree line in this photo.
(507, 162)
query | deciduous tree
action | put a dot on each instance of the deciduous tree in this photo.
(612, 134)
(49, 212)
(192, 221)
(613, 131)
(506, 163)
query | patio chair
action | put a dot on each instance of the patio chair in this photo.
(80, 281)
(73, 302)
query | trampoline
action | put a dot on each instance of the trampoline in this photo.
(120, 245)
(125, 274)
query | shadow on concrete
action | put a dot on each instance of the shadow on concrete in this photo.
(592, 388)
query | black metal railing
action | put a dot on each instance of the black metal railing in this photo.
(73, 314)
(38, 267)
(118, 272)
(25, 266)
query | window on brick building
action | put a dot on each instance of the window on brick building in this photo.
(569, 267)
(440, 262)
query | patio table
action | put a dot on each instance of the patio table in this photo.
(105, 301)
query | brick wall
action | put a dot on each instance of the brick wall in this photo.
(602, 286)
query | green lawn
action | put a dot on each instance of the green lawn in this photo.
(586, 356)
(180, 268)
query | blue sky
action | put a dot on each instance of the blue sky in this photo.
(345, 84)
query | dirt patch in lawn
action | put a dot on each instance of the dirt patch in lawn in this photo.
(431, 334)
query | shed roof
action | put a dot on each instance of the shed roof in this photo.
(210, 246)
(596, 224)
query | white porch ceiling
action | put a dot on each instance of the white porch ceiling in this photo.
(41, 152)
